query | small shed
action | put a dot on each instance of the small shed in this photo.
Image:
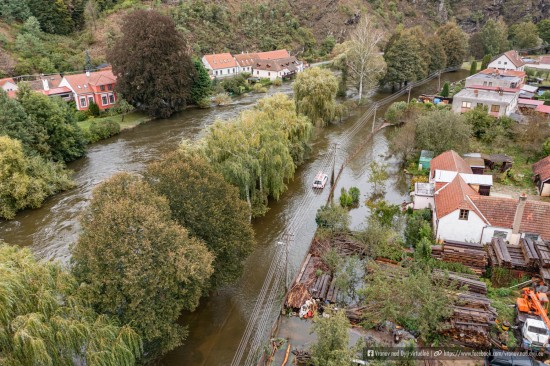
(541, 170)
(425, 157)
(498, 160)
(476, 163)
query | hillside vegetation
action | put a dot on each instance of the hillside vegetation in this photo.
(66, 29)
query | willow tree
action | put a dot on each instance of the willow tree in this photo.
(209, 207)
(280, 109)
(44, 321)
(137, 264)
(315, 95)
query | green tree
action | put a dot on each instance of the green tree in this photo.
(327, 45)
(333, 217)
(476, 48)
(442, 130)
(455, 43)
(66, 140)
(406, 58)
(332, 346)
(543, 28)
(45, 322)
(380, 240)
(436, 52)
(315, 95)
(14, 10)
(524, 35)
(415, 229)
(378, 175)
(383, 212)
(208, 207)
(485, 62)
(54, 16)
(473, 67)
(158, 81)
(25, 182)
(137, 264)
(93, 108)
(445, 91)
(480, 121)
(202, 86)
(494, 36)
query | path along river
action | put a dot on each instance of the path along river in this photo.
(216, 327)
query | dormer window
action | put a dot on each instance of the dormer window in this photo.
(102, 87)
(110, 87)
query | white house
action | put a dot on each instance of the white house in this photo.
(220, 65)
(8, 85)
(461, 213)
(279, 68)
(508, 61)
(501, 102)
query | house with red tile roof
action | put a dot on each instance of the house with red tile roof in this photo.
(97, 87)
(246, 61)
(463, 212)
(278, 68)
(8, 85)
(220, 65)
(541, 169)
(509, 60)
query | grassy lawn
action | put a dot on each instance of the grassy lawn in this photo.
(130, 120)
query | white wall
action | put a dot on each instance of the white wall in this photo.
(9, 86)
(272, 75)
(421, 202)
(504, 63)
(489, 232)
(545, 191)
(452, 228)
(228, 71)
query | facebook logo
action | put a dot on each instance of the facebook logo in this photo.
(370, 353)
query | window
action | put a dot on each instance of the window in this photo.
(484, 83)
(268, 74)
(463, 214)
(110, 87)
(505, 62)
(490, 83)
(216, 72)
(257, 72)
(495, 108)
(466, 104)
(531, 236)
(104, 99)
(83, 101)
(102, 87)
(500, 234)
(111, 99)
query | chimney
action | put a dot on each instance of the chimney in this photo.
(476, 92)
(87, 73)
(519, 213)
(45, 84)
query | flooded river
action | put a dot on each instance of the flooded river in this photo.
(216, 327)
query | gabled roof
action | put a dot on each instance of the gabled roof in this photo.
(220, 60)
(82, 83)
(536, 218)
(499, 211)
(530, 101)
(273, 55)
(454, 196)
(55, 91)
(450, 160)
(6, 80)
(246, 59)
(542, 169)
(514, 57)
(289, 63)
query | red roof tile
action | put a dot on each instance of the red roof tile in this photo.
(6, 80)
(450, 160)
(536, 219)
(54, 91)
(273, 55)
(543, 108)
(81, 83)
(530, 101)
(454, 196)
(246, 59)
(514, 57)
(542, 169)
(499, 211)
(545, 60)
(220, 60)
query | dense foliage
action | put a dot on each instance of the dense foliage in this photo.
(455, 43)
(102, 129)
(158, 81)
(201, 89)
(208, 207)
(259, 151)
(44, 320)
(332, 346)
(135, 263)
(315, 95)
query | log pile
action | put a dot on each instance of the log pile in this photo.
(470, 282)
(543, 252)
(472, 255)
(500, 251)
(529, 252)
(297, 296)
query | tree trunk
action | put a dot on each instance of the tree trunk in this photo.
(248, 201)
(360, 88)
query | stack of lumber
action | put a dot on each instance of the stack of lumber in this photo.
(324, 288)
(437, 251)
(501, 255)
(543, 252)
(529, 252)
(471, 326)
(472, 255)
(470, 282)
(297, 296)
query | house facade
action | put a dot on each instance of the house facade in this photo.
(97, 87)
(8, 85)
(500, 102)
(220, 65)
(508, 61)
(278, 68)
(462, 213)
(541, 170)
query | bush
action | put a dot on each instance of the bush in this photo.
(204, 103)
(259, 88)
(94, 109)
(81, 116)
(101, 130)
(332, 217)
(265, 81)
(278, 82)
(351, 198)
(222, 99)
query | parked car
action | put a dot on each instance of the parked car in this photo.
(503, 358)
(320, 180)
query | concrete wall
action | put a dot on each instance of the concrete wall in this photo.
(505, 108)
(545, 190)
(450, 227)
(489, 232)
(421, 202)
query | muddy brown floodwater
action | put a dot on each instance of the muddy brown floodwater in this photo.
(216, 327)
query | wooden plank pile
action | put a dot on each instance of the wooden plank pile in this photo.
(543, 252)
(472, 255)
(529, 252)
(470, 282)
(500, 253)
(324, 288)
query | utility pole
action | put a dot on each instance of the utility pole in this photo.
(439, 81)
(374, 117)
(334, 147)
(409, 98)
